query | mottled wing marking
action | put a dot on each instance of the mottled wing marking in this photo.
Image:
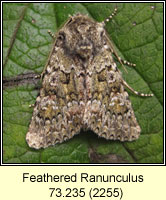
(82, 89)
(58, 114)
(109, 112)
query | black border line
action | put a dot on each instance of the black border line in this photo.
(81, 164)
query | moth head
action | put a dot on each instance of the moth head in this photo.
(82, 37)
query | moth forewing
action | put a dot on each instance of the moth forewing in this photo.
(82, 88)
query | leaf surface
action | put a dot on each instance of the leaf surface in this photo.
(137, 34)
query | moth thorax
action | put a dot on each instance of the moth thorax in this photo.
(84, 48)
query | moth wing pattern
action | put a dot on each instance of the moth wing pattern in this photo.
(82, 88)
(57, 115)
(109, 113)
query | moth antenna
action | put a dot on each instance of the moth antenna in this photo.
(135, 92)
(111, 16)
(51, 34)
(116, 55)
(104, 22)
(124, 67)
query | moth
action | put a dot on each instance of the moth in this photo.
(82, 88)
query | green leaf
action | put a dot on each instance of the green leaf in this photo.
(137, 34)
